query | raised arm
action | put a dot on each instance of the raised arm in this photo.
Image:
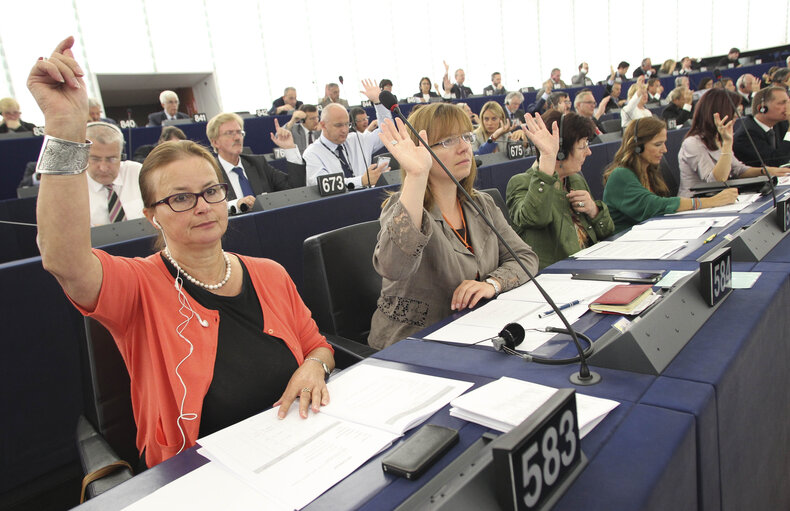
(63, 210)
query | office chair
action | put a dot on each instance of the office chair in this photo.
(106, 431)
(499, 201)
(341, 287)
(612, 125)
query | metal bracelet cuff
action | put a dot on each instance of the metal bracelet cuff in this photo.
(63, 157)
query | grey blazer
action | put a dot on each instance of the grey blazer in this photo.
(421, 269)
(299, 133)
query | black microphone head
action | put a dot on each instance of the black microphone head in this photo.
(340, 79)
(513, 334)
(388, 99)
(232, 210)
(350, 186)
(244, 207)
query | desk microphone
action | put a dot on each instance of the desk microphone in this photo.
(584, 376)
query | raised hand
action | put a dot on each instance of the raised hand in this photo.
(547, 142)
(602, 106)
(56, 84)
(414, 160)
(282, 137)
(724, 128)
(372, 90)
(504, 127)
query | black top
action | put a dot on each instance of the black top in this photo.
(23, 126)
(251, 369)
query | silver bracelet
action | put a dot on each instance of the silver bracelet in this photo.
(63, 157)
(495, 284)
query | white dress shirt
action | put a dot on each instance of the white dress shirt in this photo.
(126, 185)
(320, 157)
(292, 155)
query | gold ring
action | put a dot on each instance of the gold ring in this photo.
(307, 389)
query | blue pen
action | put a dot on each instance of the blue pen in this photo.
(561, 307)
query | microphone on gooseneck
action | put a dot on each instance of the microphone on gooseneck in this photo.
(584, 376)
(764, 169)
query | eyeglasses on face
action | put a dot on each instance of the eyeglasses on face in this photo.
(340, 125)
(452, 141)
(184, 201)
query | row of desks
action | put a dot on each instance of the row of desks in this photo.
(711, 432)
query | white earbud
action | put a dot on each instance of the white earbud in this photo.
(156, 223)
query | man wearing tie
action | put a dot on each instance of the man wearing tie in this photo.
(113, 185)
(248, 175)
(304, 126)
(768, 127)
(337, 150)
(513, 110)
(169, 101)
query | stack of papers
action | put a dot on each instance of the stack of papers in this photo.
(630, 250)
(742, 202)
(504, 404)
(292, 461)
(524, 305)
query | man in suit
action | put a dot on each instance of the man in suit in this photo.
(654, 90)
(680, 109)
(332, 95)
(94, 112)
(582, 79)
(169, 101)
(248, 175)
(768, 127)
(746, 85)
(496, 88)
(513, 110)
(554, 80)
(304, 126)
(731, 60)
(617, 76)
(585, 104)
(285, 104)
(645, 69)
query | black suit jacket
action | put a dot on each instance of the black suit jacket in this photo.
(263, 177)
(459, 93)
(773, 156)
(156, 118)
(518, 114)
(278, 103)
(672, 111)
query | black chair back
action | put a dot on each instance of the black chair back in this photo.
(341, 287)
(106, 393)
(499, 201)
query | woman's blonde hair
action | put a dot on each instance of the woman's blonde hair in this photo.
(442, 120)
(497, 109)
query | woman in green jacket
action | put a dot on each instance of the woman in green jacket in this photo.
(550, 204)
(634, 187)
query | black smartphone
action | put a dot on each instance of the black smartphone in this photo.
(421, 450)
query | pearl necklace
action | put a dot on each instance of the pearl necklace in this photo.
(196, 281)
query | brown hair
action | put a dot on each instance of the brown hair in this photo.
(165, 154)
(703, 125)
(648, 174)
(171, 131)
(442, 120)
(497, 110)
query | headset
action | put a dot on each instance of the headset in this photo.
(639, 148)
(763, 109)
(187, 312)
(561, 153)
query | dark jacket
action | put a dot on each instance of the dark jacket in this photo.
(263, 177)
(774, 152)
(156, 118)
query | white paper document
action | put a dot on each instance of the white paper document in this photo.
(682, 233)
(295, 460)
(741, 203)
(744, 279)
(631, 250)
(561, 287)
(507, 402)
(207, 488)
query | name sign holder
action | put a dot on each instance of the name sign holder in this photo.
(331, 184)
(754, 242)
(527, 469)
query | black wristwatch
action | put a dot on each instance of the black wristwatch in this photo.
(490, 140)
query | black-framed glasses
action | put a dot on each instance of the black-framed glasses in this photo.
(184, 201)
(450, 142)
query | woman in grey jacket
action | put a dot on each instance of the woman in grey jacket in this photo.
(434, 252)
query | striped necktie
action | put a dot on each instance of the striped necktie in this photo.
(114, 207)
